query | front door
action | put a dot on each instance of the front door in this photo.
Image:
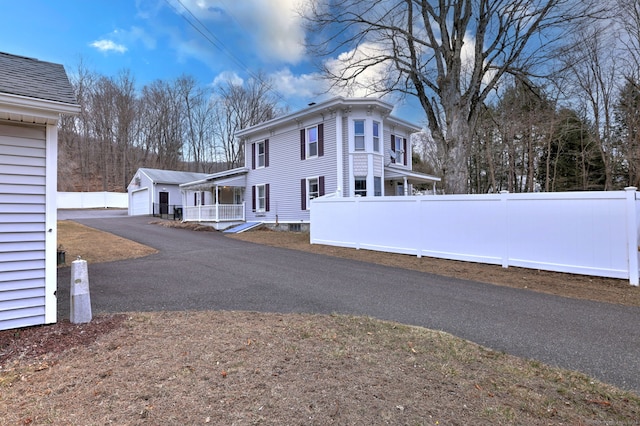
(164, 203)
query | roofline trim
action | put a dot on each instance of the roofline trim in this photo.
(37, 107)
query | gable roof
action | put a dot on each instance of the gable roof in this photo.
(35, 79)
(171, 177)
(33, 91)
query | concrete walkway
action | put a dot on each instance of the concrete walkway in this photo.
(208, 271)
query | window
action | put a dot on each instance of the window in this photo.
(377, 186)
(400, 189)
(312, 142)
(260, 153)
(376, 136)
(358, 132)
(198, 198)
(398, 146)
(360, 187)
(260, 198)
(310, 188)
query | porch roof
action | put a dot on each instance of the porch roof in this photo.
(394, 172)
(233, 177)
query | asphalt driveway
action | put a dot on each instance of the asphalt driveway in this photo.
(208, 271)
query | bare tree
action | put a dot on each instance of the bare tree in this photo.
(450, 54)
(198, 113)
(238, 107)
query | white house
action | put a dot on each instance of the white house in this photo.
(344, 146)
(154, 191)
(33, 94)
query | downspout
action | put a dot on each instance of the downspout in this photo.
(339, 148)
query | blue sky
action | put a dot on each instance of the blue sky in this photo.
(155, 40)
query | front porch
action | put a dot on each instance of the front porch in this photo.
(214, 213)
(217, 200)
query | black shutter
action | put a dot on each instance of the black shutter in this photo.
(303, 194)
(320, 140)
(393, 148)
(266, 153)
(253, 198)
(404, 146)
(266, 197)
(253, 155)
(303, 154)
(321, 186)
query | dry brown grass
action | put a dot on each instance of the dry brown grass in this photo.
(252, 368)
(96, 246)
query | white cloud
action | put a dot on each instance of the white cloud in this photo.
(362, 82)
(108, 46)
(226, 77)
(307, 86)
(274, 26)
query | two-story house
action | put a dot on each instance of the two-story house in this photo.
(348, 147)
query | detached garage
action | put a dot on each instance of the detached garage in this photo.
(157, 192)
(33, 94)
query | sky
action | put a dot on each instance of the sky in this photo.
(165, 39)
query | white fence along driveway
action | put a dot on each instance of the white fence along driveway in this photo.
(591, 233)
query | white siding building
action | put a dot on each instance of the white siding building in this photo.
(346, 147)
(32, 96)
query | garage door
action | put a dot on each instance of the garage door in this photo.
(140, 202)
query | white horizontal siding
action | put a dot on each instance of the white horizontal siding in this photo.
(286, 170)
(22, 225)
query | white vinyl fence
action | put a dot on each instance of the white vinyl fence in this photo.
(591, 233)
(92, 200)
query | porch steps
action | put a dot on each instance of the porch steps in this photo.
(242, 227)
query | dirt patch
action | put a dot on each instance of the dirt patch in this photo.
(251, 368)
(568, 285)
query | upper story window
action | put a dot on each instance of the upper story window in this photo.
(399, 148)
(376, 136)
(312, 142)
(358, 135)
(260, 154)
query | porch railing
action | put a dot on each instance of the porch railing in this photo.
(214, 213)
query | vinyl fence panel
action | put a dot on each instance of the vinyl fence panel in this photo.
(592, 233)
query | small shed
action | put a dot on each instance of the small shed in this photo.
(155, 191)
(33, 94)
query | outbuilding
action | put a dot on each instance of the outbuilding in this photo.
(157, 192)
(33, 94)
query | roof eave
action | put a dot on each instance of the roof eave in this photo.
(23, 108)
(317, 108)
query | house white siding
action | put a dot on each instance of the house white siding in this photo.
(286, 169)
(23, 226)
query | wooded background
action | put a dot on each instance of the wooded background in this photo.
(562, 114)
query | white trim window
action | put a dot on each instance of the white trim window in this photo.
(310, 188)
(358, 135)
(260, 154)
(313, 188)
(376, 136)
(398, 148)
(360, 186)
(312, 142)
(377, 186)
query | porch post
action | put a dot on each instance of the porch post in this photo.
(216, 199)
(406, 190)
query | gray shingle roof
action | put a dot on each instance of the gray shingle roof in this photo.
(172, 176)
(35, 79)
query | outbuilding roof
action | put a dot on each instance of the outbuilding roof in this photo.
(36, 79)
(172, 177)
